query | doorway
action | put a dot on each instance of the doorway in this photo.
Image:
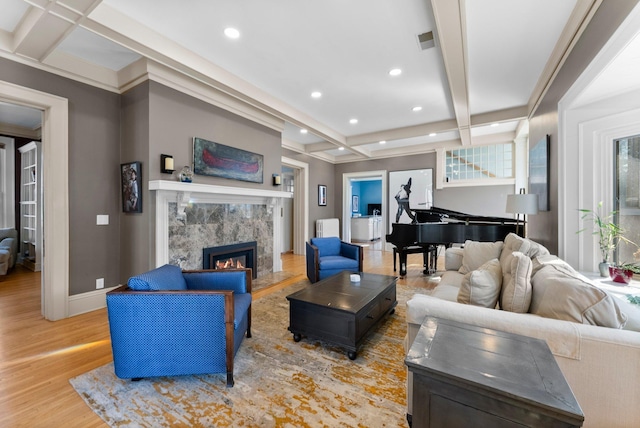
(300, 218)
(55, 171)
(348, 181)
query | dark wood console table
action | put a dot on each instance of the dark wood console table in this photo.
(465, 376)
(340, 311)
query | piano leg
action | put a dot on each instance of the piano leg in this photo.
(395, 253)
(403, 262)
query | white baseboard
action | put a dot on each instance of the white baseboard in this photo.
(87, 302)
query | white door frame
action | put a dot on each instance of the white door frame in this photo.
(300, 203)
(346, 202)
(55, 153)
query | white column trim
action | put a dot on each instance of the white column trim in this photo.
(183, 193)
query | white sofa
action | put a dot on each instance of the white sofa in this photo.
(601, 364)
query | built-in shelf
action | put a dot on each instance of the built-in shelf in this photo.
(30, 211)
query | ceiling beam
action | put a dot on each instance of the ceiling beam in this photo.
(451, 39)
(578, 21)
(402, 133)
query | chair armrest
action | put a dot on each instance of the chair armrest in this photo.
(352, 251)
(236, 280)
(313, 262)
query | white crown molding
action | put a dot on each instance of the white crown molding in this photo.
(19, 131)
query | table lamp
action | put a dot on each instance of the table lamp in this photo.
(522, 203)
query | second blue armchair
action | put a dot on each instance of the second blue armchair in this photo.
(329, 256)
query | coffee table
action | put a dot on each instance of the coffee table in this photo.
(342, 312)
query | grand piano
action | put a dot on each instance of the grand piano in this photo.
(438, 226)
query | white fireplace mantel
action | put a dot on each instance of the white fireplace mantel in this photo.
(184, 193)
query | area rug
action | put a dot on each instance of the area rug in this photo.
(278, 382)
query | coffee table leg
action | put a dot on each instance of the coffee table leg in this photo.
(352, 355)
(297, 337)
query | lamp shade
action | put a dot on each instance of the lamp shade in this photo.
(522, 203)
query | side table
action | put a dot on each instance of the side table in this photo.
(465, 376)
(616, 289)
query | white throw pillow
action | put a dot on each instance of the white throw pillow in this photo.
(481, 287)
(476, 254)
(561, 294)
(516, 292)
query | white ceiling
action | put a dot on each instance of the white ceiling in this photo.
(491, 62)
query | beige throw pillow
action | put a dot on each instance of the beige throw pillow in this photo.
(481, 287)
(562, 294)
(475, 254)
(516, 292)
(525, 246)
(540, 261)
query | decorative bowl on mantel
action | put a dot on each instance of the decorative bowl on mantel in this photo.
(620, 275)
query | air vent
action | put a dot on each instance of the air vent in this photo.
(425, 40)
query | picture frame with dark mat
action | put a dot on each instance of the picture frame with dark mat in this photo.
(322, 195)
(130, 178)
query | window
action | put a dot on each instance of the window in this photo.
(627, 194)
(480, 163)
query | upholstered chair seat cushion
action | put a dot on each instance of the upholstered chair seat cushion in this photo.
(338, 262)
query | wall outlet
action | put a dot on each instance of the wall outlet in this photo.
(99, 283)
(102, 219)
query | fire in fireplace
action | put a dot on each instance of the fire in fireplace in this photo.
(232, 257)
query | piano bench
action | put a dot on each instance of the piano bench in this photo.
(416, 249)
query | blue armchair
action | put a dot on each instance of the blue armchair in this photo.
(329, 256)
(166, 322)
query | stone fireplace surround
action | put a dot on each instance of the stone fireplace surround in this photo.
(192, 216)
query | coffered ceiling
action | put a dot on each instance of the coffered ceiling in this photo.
(483, 74)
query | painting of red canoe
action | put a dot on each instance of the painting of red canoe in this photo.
(218, 160)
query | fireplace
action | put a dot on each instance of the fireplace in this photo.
(232, 256)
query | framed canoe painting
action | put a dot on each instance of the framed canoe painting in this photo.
(218, 160)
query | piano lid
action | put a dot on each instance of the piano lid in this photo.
(435, 214)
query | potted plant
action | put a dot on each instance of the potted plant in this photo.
(608, 232)
(624, 272)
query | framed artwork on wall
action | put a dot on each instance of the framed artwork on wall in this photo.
(322, 195)
(218, 160)
(355, 204)
(408, 191)
(539, 172)
(131, 177)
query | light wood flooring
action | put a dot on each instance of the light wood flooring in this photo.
(38, 357)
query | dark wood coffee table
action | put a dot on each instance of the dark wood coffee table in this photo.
(342, 312)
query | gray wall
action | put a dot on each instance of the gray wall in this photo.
(94, 155)
(160, 120)
(543, 227)
(135, 228)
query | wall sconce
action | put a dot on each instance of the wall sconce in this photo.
(166, 164)
(277, 180)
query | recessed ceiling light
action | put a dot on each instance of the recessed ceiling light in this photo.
(353, 121)
(231, 33)
(433, 134)
(316, 94)
(303, 131)
(417, 108)
(395, 72)
(493, 125)
(340, 148)
(383, 142)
